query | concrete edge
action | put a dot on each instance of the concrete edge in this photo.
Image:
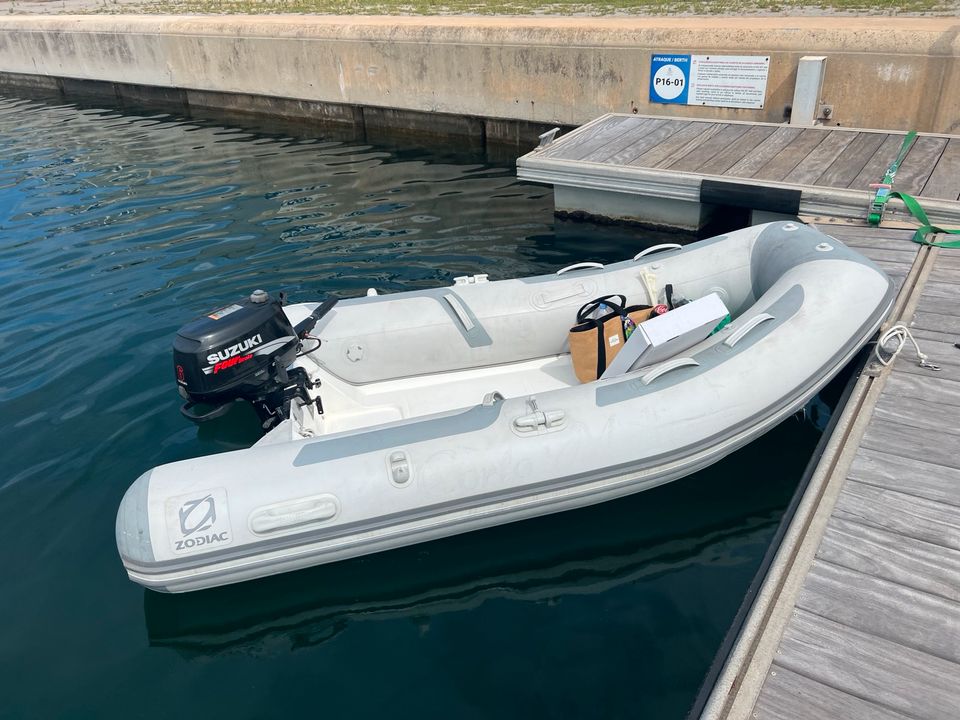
(741, 680)
(914, 35)
(364, 119)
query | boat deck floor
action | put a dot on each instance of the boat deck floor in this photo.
(350, 407)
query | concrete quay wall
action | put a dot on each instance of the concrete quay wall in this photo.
(889, 73)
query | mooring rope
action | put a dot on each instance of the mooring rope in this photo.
(899, 334)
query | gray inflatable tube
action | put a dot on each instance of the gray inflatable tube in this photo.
(454, 409)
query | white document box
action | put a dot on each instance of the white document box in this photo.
(668, 335)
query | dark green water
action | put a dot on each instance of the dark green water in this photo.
(117, 228)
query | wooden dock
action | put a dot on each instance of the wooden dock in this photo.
(656, 169)
(859, 615)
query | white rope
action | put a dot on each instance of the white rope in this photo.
(898, 335)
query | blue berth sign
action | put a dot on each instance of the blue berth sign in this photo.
(669, 78)
(736, 81)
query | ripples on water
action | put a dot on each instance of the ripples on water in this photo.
(117, 228)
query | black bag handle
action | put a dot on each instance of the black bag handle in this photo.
(587, 309)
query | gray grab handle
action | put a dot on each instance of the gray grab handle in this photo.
(656, 248)
(666, 367)
(738, 334)
(580, 266)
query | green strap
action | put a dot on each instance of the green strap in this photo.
(895, 165)
(920, 236)
(885, 185)
(885, 192)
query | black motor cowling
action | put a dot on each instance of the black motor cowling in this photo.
(241, 352)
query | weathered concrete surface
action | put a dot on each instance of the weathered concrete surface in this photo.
(895, 73)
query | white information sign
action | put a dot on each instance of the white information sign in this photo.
(728, 80)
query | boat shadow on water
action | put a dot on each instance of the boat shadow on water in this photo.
(719, 516)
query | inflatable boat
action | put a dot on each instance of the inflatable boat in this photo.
(397, 419)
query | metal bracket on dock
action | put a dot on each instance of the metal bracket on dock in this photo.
(547, 138)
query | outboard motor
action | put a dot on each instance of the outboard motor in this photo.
(243, 352)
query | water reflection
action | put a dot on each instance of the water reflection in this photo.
(118, 227)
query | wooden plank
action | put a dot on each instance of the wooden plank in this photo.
(940, 350)
(927, 415)
(876, 166)
(930, 388)
(910, 442)
(823, 156)
(901, 235)
(941, 322)
(724, 160)
(938, 336)
(780, 165)
(866, 242)
(695, 157)
(691, 132)
(652, 139)
(919, 164)
(941, 339)
(787, 695)
(944, 182)
(913, 563)
(852, 160)
(638, 139)
(941, 297)
(578, 143)
(892, 268)
(942, 290)
(949, 259)
(913, 477)
(948, 370)
(640, 144)
(942, 294)
(854, 662)
(884, 609)
(693, 146)
(900, 255)
(571, 138)
(862, 229)
(599, 140)
(763, 152)
(616, 143)
(941, 393)
(899, 513)
(902, 259)
(945, 275)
